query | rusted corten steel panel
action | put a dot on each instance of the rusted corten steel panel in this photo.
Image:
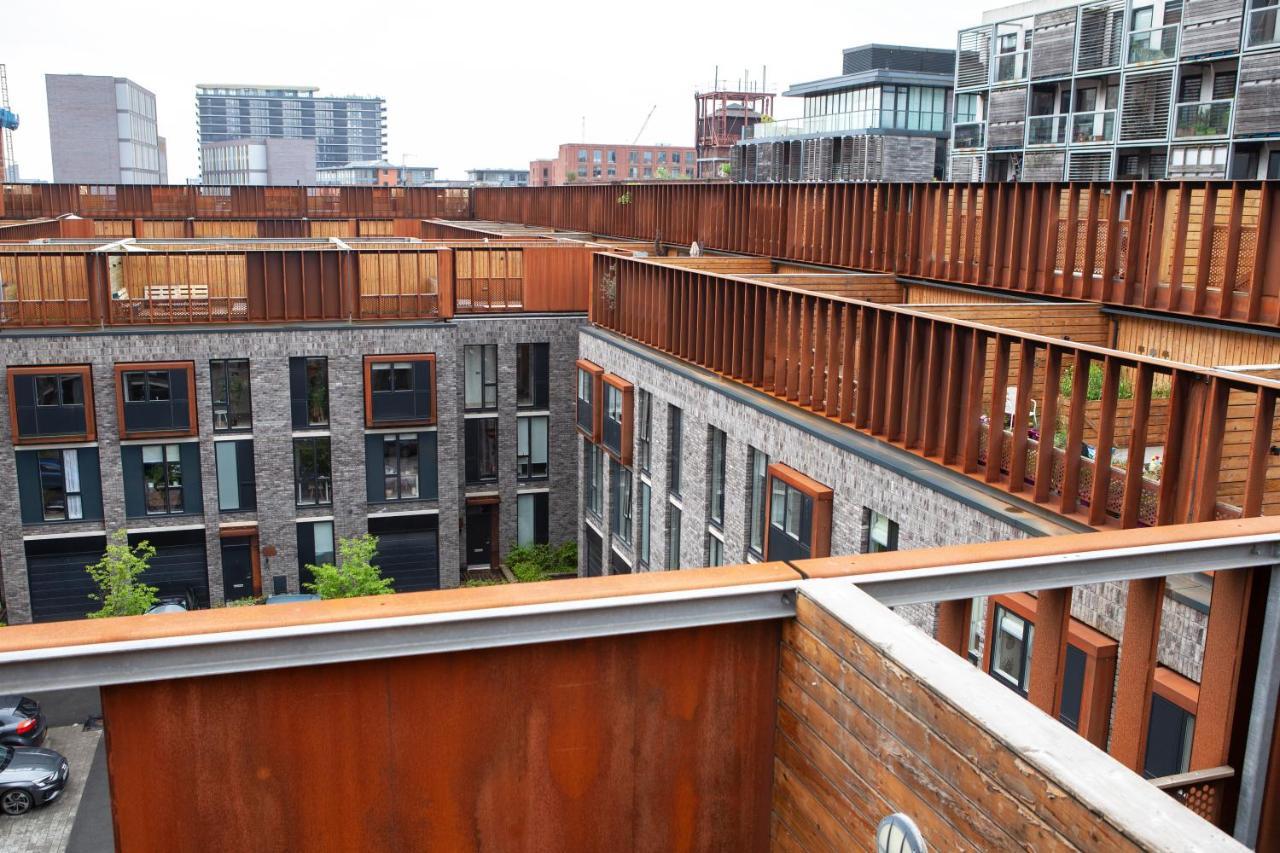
(1055, 421)
(30, 201)
(657, 741)
(1206, 249)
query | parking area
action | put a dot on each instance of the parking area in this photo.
(49, 829)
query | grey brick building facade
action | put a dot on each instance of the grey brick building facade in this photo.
(102, 130)
(276, 514)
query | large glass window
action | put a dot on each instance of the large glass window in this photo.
(673, 535)
(620, 501)
(715, 550)
(882, 532)
(236, 487)
(715, 503)
(162, 479)
(60, 485)
(593, 478)
(642, 538)
(482, 450)
(759, 481)
(146, 386)
(531, 447)
(1170, 730)
(644, 427)
(532, 380)
(675, 447)
(1011, 649)
(400, 466)
(49, 404)
(232, 407)
(400, 391)
(480, 364)
(531, 518)
(312, 471)
(309, 390)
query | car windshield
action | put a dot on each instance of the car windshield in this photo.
(6, 755)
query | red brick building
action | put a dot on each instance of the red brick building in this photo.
(596, 163)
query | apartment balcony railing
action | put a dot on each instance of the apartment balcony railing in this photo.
(1263, 27)
(1010, 67)
(1099, 126)
(1047, 130)
(1159, 44)
(1206, 119)
(833, 123)
(969, 135)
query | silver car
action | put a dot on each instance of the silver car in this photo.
(30, 777)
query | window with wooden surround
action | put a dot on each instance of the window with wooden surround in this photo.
(1171, 725)
(399, 390)
(619, 399)
(799, 512)
(590, 380)
(51, 404)
(157, 399)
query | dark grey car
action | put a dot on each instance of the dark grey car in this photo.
(30, 777)
(21, 723)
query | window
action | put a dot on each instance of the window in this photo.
(1011, 649)
(309, 391)
(315, 547)
(756, 519)
(234, 463)
(399, 390)
(58, 485)
(531, 518)
(480, 366)
(715, 550)
(593, 479)
(532, 376)
(620, 501)
(799, 516)
(531, 447)
(616, 426)
(400, 467)
(1171, 725)
(60, 494)
(642, 540)
(648, 157)
(157, 399)
(482, 450)
(675, 156)
(977, 618)
(675, 447)
(633, 157)
(644, 427)
(882, 534)
(673, 536)
(232, 409)
(312, 472)
(162, 479)
(613, 156)
(715, 503)
(51, 404)
(595, 156)
(590, 378)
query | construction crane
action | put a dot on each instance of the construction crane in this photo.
(8, 124)
(640, 132)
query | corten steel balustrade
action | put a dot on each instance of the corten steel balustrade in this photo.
(941, 388)
(754, 707)
(1209, 249)
(124, 284)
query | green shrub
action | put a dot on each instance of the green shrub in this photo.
(242, 602)
(530, 563)
(482, 582)
(354, 575)
(117, 577)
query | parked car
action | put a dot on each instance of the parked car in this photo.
(183, 598)
(30, 777)
(21, 723)
(292, 598)
(167, 608)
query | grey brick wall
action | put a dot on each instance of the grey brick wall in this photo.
(269, 350)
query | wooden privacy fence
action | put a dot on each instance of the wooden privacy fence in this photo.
(1112, 438)
(1209, 249)
(61, 286)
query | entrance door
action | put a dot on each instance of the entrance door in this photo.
(481, 520)
(237, 568)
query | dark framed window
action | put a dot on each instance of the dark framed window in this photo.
(1171, 727)
(673, 535)
(482, 450)
(59, 485)
(156, 399)
(644, 430)
(799, 516)
(400, 466)
(533, 372)
(620, 501)
(531, 447)
(882, 532)
(1012, 638)
(619, 396)
(51, 404)
(162, 479)
(236, 485)
(675, 447)
(642, 532)
(312, 471)
(756, 519)
(60, 494)
(315, 548)
(232, 398)
(715, 503)
(531, 518)
(399, 390)
(715, 550)
(593, 479)
(309, 391)
(590, 378)
(480, 377)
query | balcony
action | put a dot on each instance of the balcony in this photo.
(1094, 127)
(1263, 27)
(833, 123)
(971, 135)
(1011, 67)
(1159, 44)
(1203, 120)
(1046, 130)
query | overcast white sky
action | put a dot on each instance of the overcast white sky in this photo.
(468, 83)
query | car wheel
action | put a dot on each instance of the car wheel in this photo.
(16, 802)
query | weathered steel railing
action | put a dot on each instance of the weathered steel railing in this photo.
(1197, 248)
(957, 392)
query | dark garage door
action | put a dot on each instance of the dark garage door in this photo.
(59, 584)
(408, 551)
(180, 562)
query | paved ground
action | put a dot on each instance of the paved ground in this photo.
(45, 830)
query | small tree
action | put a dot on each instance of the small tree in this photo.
(355, 575)
(117, 576)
